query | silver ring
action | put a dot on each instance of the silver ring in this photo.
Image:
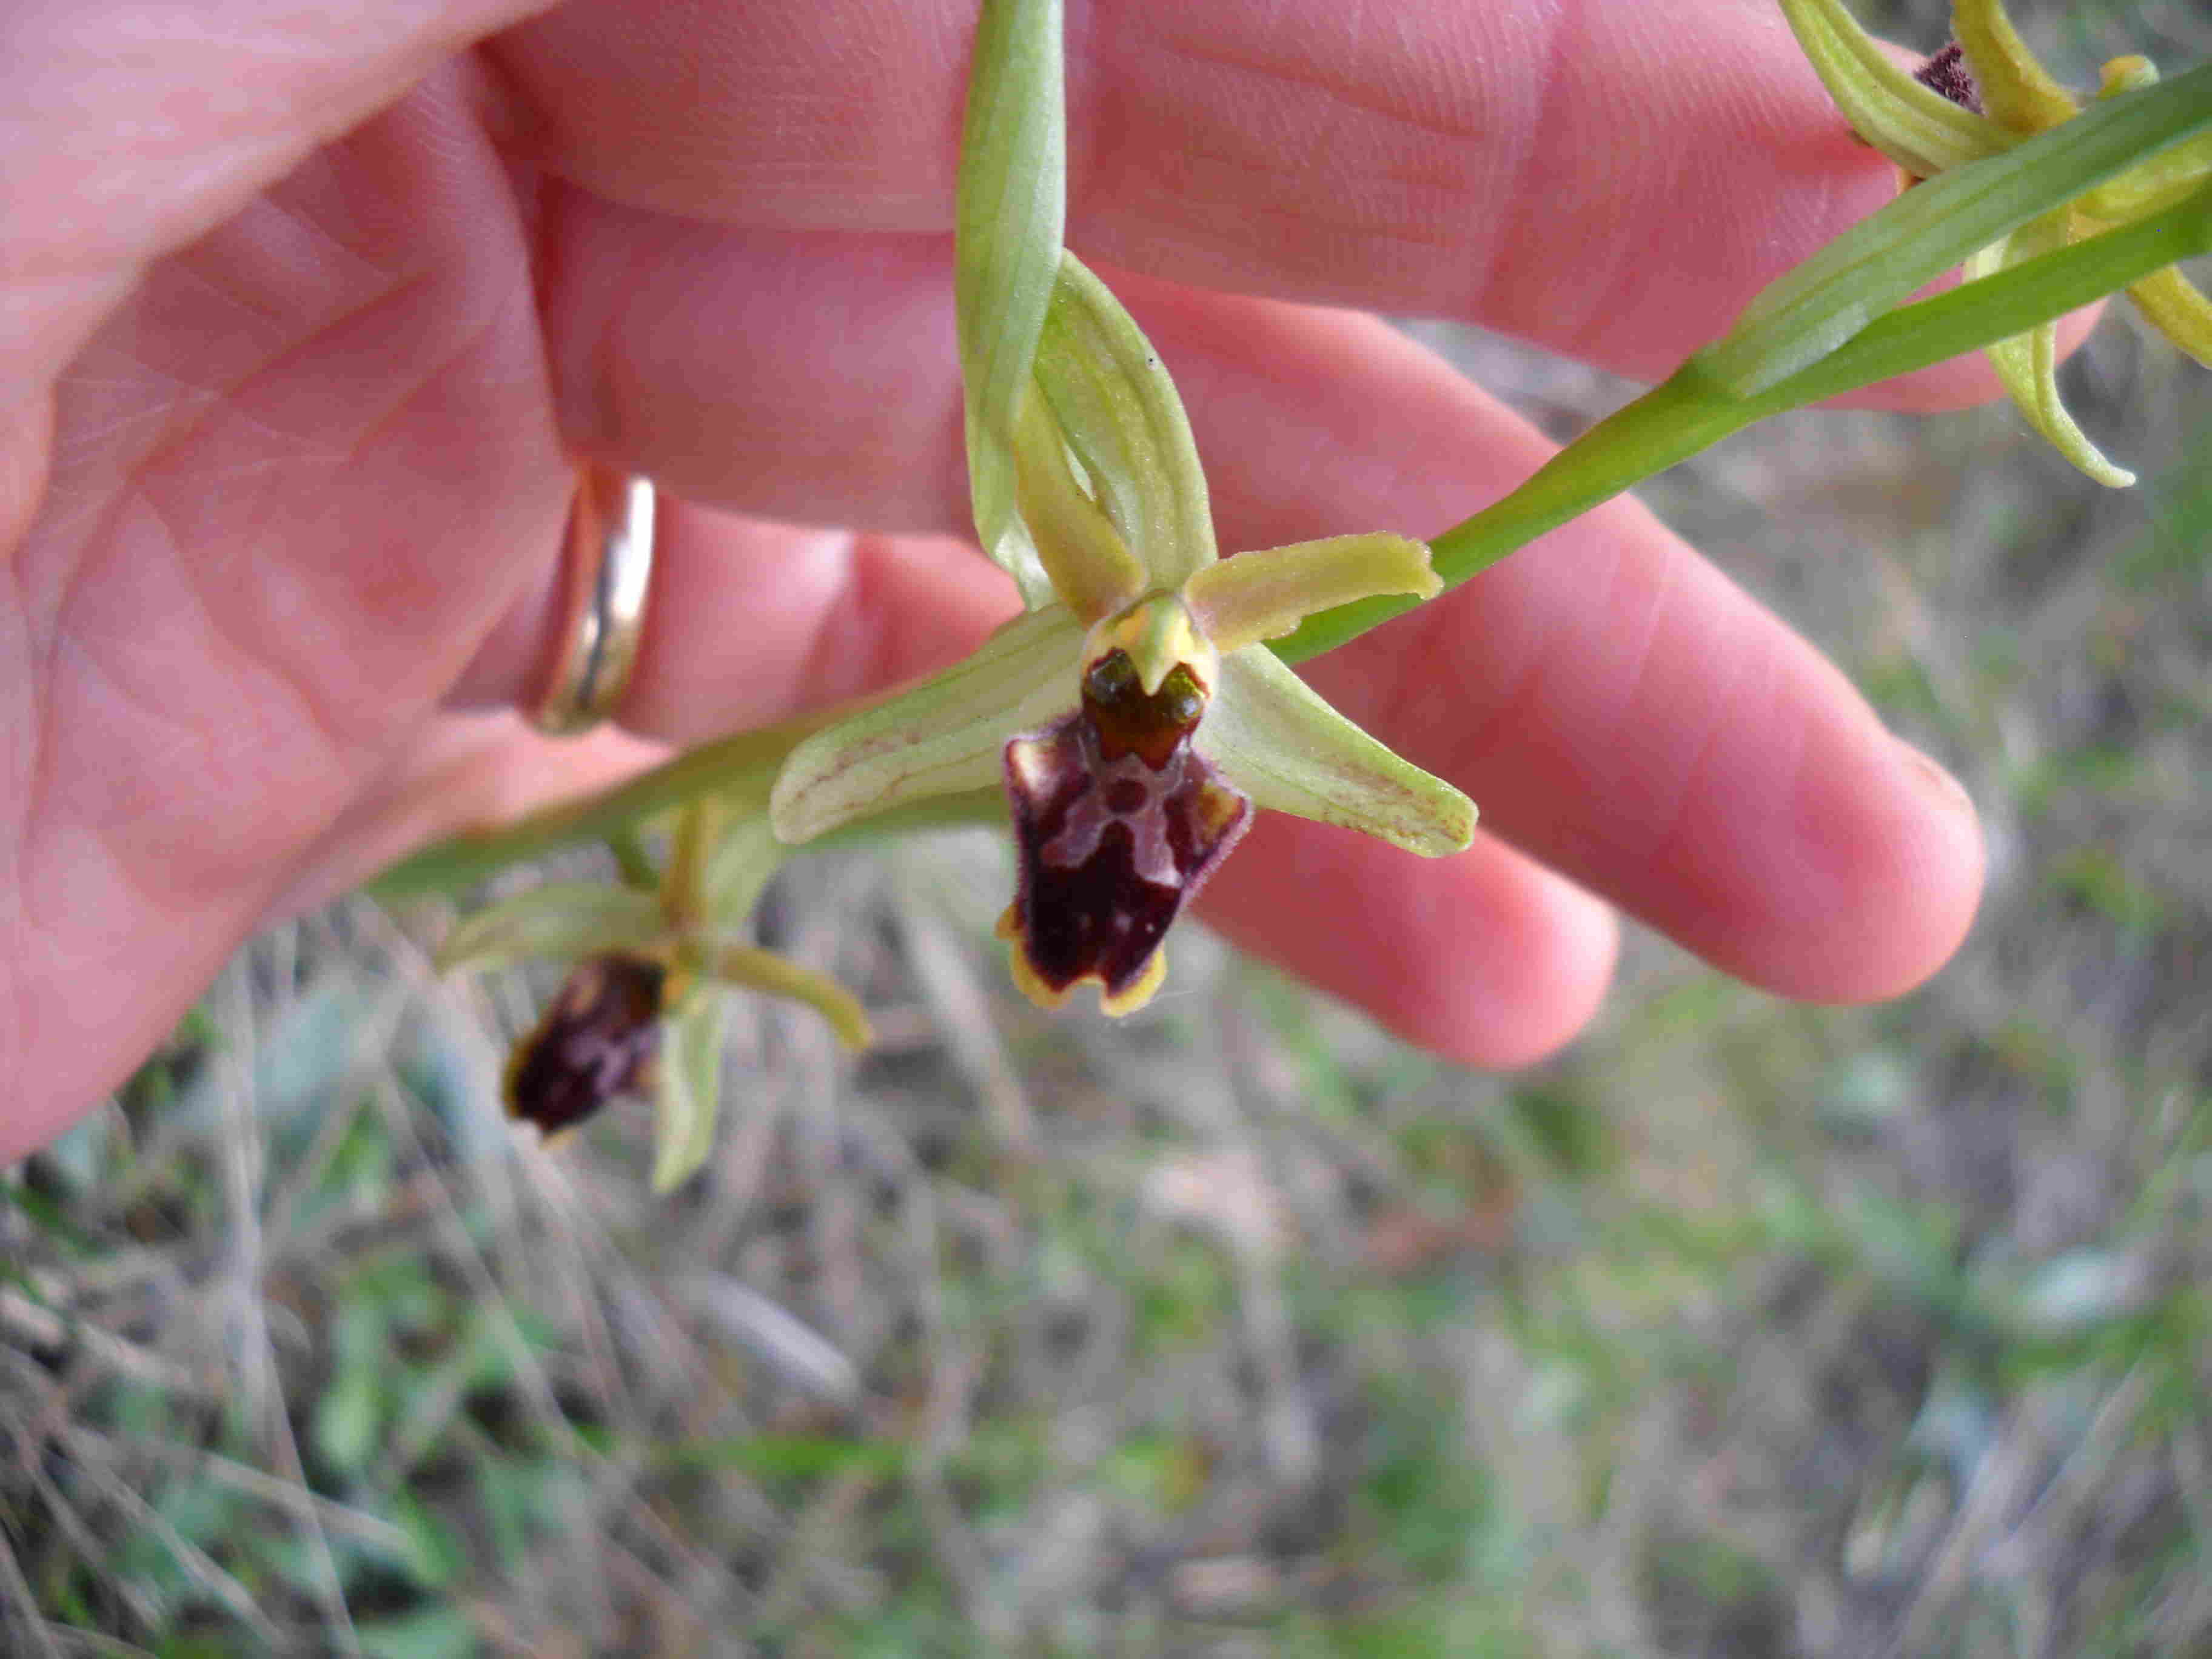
(607, 566)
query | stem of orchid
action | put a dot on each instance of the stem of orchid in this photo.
(1669, 424)
(1690, 411)
(1818, 305)
(743, 766)
(1811, 310)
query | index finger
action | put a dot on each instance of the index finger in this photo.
(1607, 178)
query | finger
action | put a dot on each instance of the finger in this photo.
(1755, 809)
(1616, 706)
(810, 378)
(1486, 958)
(1606, 176)
(813, 378)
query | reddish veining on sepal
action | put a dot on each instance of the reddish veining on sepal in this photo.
(599, 1039)
(1118, 821)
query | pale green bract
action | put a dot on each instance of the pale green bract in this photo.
(1013, 200)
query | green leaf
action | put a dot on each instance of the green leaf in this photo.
(1276, 739)
(1119, 411)
(1878, 263)
(687, 1089)
(944, 736)
(559, 921)
(1010, 210)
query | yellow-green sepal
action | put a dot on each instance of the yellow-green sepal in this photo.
(1916, 127)
(1277, 740)
(1009, 213)
(738, 868)
(1117, 408)
(748, 967)
(2177, 308)
(1089, 565)
(2017, 91)
(557, 921)
(2029, 363)
(943, 737)
(2158, 182)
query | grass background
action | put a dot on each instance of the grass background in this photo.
(1743, 1328)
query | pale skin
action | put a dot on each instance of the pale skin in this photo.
(304, 310)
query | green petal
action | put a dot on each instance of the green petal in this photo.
(559, 921)
(1090, 567)
(751, 969)
(1011, 204)
(943, 737)
(1263, 595)
(1120, 413)
(2029, 363)
(2173, 306)
(2017, 91)
(687, 1089)
(1273, 737)
(1916, 127)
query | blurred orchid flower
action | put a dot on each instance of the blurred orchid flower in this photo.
(1977, 98)
(640, 1011)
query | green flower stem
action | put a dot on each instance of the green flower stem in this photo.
(1818, 305)
(1691, 409)
(742, 766)
(1777, 343)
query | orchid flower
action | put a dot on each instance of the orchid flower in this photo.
(1134, 717)
(1978, 98)
(640, 1011)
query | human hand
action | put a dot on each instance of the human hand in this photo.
(309, 315)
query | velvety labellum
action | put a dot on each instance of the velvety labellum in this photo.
(1118, 821)
(597, 1040)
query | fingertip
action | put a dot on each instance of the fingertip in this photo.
(1485, 957)
(1910, 844)
(1866, 880)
